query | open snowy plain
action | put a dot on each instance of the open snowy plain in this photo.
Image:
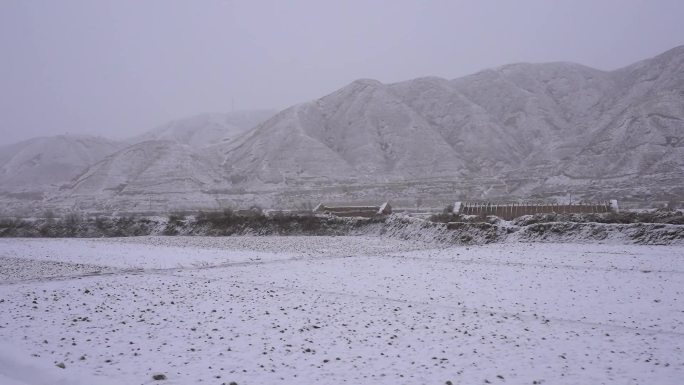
(331, 310)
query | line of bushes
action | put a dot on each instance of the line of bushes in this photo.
(226, 222)
(255, 221)
(74, 225)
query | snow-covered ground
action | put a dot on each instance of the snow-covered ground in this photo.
(330, 310)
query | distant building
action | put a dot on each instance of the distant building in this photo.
(513, 210)
(355, 211)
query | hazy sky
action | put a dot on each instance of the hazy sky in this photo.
(116, 68)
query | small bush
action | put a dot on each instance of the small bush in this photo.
(170, 229)
(176, 217)
(447, 215)
(71, 223)
(218, 219)
(256, 211)
(9, 227)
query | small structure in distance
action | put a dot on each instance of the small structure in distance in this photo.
(509, 211)
(355, 211)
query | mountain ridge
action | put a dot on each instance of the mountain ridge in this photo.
(547, 121)
(38, 164)
(517, 131)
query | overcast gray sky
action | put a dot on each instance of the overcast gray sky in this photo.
(117, 68)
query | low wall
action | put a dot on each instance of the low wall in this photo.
(514, 210)
(355, 211)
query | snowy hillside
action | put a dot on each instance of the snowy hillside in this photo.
(66, 169)
(518, 130)
(169, 168)
(643, 133)
(206, 129)
(529, 131)
(361, 131)
(39, 165)
(146, 176)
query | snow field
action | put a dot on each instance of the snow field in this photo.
(355, 310)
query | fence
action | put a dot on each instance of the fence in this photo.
(514, 210)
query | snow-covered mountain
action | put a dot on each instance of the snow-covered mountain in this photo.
(517, 131)
(361, 132)
(643, 132)
(170, 167)
(206, 129)
(146, 176)
(39, 165)
(90, 172)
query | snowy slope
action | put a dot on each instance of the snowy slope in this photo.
(206, 129)
(530, 131)
(42, 164)
(643, 133)
(147, 175)
(46, 167)
(361, 131)
(517, 130)
(169, 168)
